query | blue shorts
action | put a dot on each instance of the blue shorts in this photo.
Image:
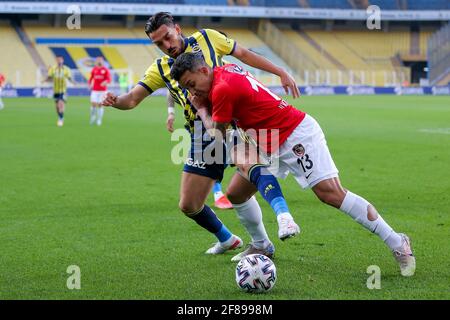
(59, 96)
(197, 164)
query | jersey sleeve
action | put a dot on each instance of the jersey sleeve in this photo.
(107, 76)
(67, 73)
(51, 72)
(223, 101)
(152, 79)
(222, 44)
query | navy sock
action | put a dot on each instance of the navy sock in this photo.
(207, 219)
(269, 188)
(60, 115)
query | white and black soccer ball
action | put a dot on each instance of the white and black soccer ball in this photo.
(256, 273)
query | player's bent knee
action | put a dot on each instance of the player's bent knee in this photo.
(236, 198)
(331, 198)
(188, 208)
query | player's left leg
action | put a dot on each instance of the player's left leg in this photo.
(60, 110)
(332, 193)
(100, 111)
(93, 112)
(96, 98)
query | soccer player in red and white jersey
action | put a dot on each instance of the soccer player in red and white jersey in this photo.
(2, 84)
(98, 82)
(232, 94)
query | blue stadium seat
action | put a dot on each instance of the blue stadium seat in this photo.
(206, 2)
(429, 5)
(116, 1)
(282, 3)
(385, 4)
(335, 4)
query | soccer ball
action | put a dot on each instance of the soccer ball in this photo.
(256, 273)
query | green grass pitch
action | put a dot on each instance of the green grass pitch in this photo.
(105, 199)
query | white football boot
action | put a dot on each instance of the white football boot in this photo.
(405, 257)
(268, 251)
(221, 247)
(287, 228)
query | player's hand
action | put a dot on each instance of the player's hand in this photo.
(109, 100)
(170, 121)
(289, 84)
(199, 102)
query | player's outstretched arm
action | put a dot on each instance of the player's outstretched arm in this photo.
(170, 112)
(126, 101)
(257, 61)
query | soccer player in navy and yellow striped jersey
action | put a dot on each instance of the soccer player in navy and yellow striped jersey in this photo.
(59, 74)
(198, 178)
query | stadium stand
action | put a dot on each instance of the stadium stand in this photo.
(79, 47)
(439, 57)
(336, 4)
(315, 52)
(17, 65)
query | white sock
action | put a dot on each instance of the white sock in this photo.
(250, 215)
(1, 104)
(93, 112)
(357, 207)
(99, 114)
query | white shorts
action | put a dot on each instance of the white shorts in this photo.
(97, 96)
(305, 154)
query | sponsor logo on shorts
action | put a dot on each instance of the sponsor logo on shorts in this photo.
(195, 163)
(299, 150)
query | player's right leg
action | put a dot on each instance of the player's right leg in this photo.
(313, 167)
(359, 209)
(94, 105)
(195, 188)
(241, 192)
(59, 105)
(246, 158)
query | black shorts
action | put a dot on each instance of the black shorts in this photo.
(59, 96)
(198, 162)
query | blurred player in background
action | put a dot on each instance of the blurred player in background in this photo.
(220, 200)
(59, 74)
(303, 150)
(2, 84)
(98, 82)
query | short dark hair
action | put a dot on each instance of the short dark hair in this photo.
(186, 61)
(157, 20)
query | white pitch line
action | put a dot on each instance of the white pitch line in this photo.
(436, 130)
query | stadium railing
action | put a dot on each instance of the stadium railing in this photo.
(439, 56)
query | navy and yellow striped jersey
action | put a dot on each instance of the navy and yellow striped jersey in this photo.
(59, 74)
(213, 45)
